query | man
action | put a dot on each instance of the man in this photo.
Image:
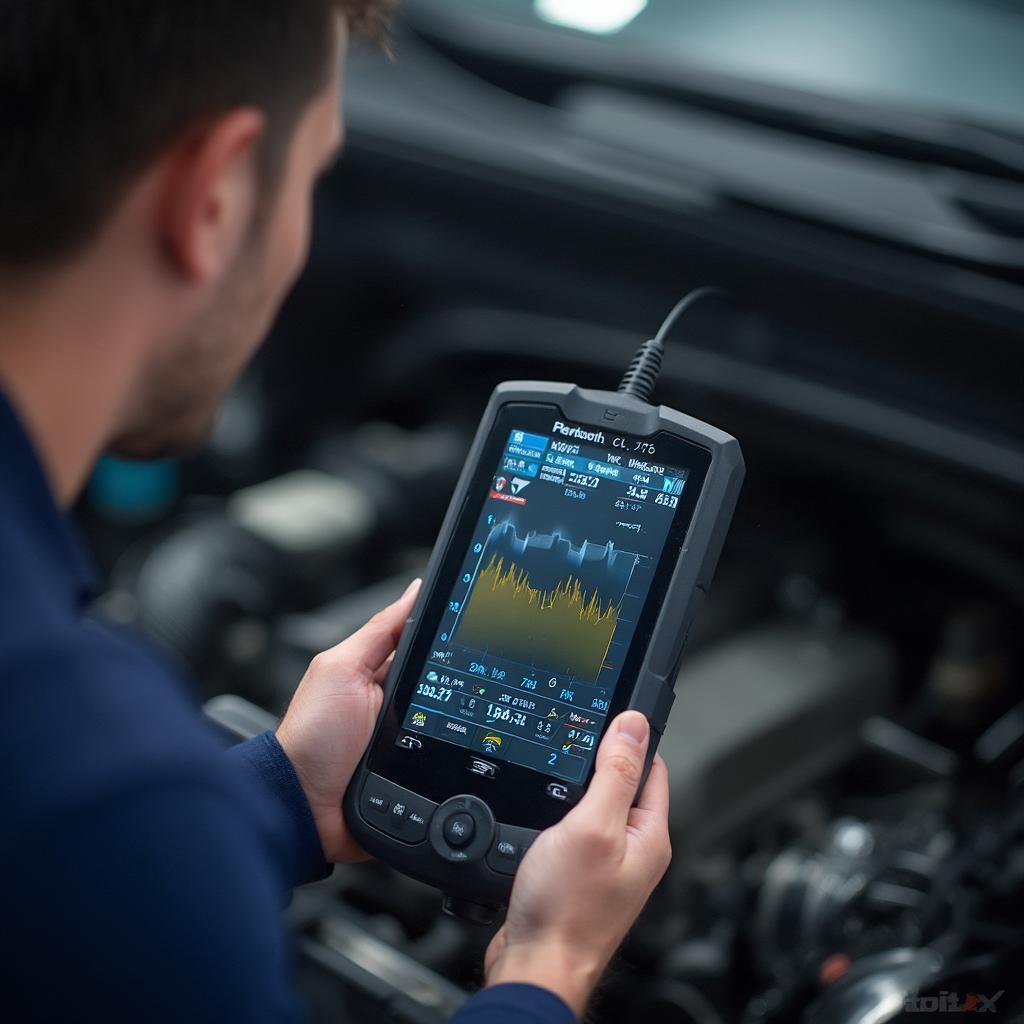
(156, 170)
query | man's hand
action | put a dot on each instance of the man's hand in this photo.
(331, 718)
(584, 881)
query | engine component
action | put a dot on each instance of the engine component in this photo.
(407, 991)
(864, 887)
(973, 666)
(763, 715)
(196, 590)
(877, 988)
(307, 515)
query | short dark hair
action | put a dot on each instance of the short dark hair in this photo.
(91, 91)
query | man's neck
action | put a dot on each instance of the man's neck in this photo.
(68, 363)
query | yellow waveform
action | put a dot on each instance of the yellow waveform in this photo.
(563, 629)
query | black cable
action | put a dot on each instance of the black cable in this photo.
(639, 380)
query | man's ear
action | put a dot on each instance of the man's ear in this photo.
(210, 193)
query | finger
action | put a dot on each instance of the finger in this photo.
(654, 795)
(651, 811)
(368, 648)
(648, 822)
(382, 673)
(620, 766)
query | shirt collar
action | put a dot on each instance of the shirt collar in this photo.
(28, 495)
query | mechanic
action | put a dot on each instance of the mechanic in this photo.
(156, 175)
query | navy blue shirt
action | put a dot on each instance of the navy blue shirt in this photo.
(142, 868)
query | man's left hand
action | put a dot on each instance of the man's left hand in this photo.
(331, 718)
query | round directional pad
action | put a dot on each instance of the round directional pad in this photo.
(462, 829)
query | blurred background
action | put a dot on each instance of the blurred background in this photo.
(526, 190)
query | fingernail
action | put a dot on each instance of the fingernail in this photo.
(633, 725)
(414, 586)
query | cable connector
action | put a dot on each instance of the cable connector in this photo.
(641, 377)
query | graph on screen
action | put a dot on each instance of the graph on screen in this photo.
(543, 601)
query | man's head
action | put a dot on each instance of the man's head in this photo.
(185, 135)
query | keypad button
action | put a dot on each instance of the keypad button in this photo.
(410, 816)
(416, 822)
(376, 801)
(509, 848)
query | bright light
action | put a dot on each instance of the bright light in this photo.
(600, 16)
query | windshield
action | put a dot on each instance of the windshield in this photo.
(953, 58)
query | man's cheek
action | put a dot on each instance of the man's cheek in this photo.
(300, 245)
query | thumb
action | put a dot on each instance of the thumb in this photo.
(620, 767)
(366, 650)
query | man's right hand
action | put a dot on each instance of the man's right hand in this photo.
(584, 881)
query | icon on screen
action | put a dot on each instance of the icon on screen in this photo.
(500, 484)
(419, 719)
(492, 743)
(431, 677)
(518, 484)
(518, 436)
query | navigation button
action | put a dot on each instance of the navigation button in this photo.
(557, 791)
(478, 766)
(376, 800)
(416, 825)
(409, 742)
(459, 830)
(399, 814)
(507, 852)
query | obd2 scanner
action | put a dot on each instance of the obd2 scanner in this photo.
(575, 555)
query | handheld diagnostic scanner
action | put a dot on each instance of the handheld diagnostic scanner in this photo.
(577, 550)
